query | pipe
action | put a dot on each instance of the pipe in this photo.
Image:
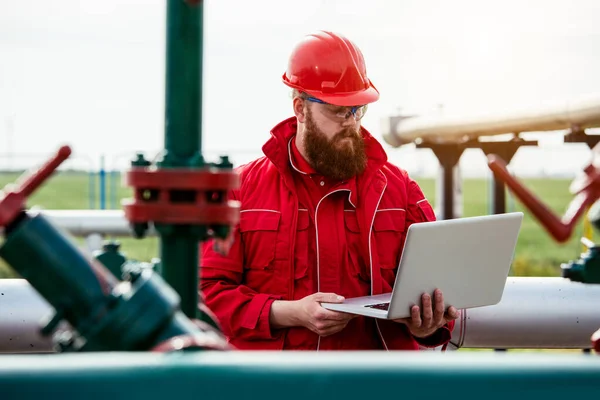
(549, 313)
(534, 313)
(581, 114)
(22, 310)
(82, 223)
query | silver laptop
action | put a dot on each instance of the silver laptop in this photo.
(468, 259)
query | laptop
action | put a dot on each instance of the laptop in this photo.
(468, 259)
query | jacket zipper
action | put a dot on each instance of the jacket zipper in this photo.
(317, 243)
(371, 257)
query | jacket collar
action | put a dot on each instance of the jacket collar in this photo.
(276, 148)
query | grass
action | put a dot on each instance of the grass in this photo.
(537, 254)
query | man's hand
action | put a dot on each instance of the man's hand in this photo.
(307, 312)
(425, 322)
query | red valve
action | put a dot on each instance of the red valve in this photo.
(13, 197)
(586, 188)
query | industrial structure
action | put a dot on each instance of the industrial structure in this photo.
(124, 329)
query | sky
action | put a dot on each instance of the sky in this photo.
(91, 73)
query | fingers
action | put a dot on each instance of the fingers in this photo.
(326, 328)
(452, 314)
(426, 310)
(415, 316)
(328, 298)
(439, 308)
(323, 314)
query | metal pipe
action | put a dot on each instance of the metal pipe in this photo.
(581, 114)
(82, 223)
(534, 313)
(549, 313)
(22, 311)
(183, 140)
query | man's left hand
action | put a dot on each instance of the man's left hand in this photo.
(428, 318)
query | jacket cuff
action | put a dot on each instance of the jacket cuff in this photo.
(437, 338)
(257, 316)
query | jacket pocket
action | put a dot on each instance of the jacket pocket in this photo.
(353, 243)
(259, 230)
(301, 250)
(388, 229)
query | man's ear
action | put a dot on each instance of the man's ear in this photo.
(299, 110)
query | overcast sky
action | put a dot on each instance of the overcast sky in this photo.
(91, 73)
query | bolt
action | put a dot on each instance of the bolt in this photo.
(139, 230)
(225, 163)
(140, 161)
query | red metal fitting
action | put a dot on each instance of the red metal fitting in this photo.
(13, 198)
(586, 188)
(181, 196)
(596, 341)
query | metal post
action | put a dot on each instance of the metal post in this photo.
(499, 196)
(183, 122)
(114, 176)
(506, 151)
(102, 176)
(448, 155)
(92, 186)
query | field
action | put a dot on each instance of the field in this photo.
(536, 255)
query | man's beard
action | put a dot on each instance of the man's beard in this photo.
(338, 158)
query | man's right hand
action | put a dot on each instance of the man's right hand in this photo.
(307, 312)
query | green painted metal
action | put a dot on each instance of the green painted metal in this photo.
(183, 102)
(586, 269)
(137, 314)
(179, 260)
(183, 133)
(54, 265)
(111, 257)
(301, 376)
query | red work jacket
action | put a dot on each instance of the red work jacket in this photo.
(288, 245)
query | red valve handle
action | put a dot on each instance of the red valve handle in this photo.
(560, 229)
(13, 197)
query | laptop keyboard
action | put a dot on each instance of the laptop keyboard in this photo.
(380, 306)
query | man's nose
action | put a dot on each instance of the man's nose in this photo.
(351, 120)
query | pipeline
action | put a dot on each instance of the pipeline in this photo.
(534, 313)
(82, 223)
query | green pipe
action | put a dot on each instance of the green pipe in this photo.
(179, 261)
(183, 122)
(183, 101)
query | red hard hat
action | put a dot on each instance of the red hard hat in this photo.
(331, 68)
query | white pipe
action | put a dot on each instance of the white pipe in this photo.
(82, 223)
(550, 313)
(399, 131)
(544, 313)
(21, 311)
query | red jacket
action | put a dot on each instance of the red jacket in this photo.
(266, 259)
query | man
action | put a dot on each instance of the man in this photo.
(323, 217)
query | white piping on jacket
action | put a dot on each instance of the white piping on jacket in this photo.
(317, 243)
(371, 255)
(259, 209)
(290, 155)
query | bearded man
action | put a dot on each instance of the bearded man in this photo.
(324, 216)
